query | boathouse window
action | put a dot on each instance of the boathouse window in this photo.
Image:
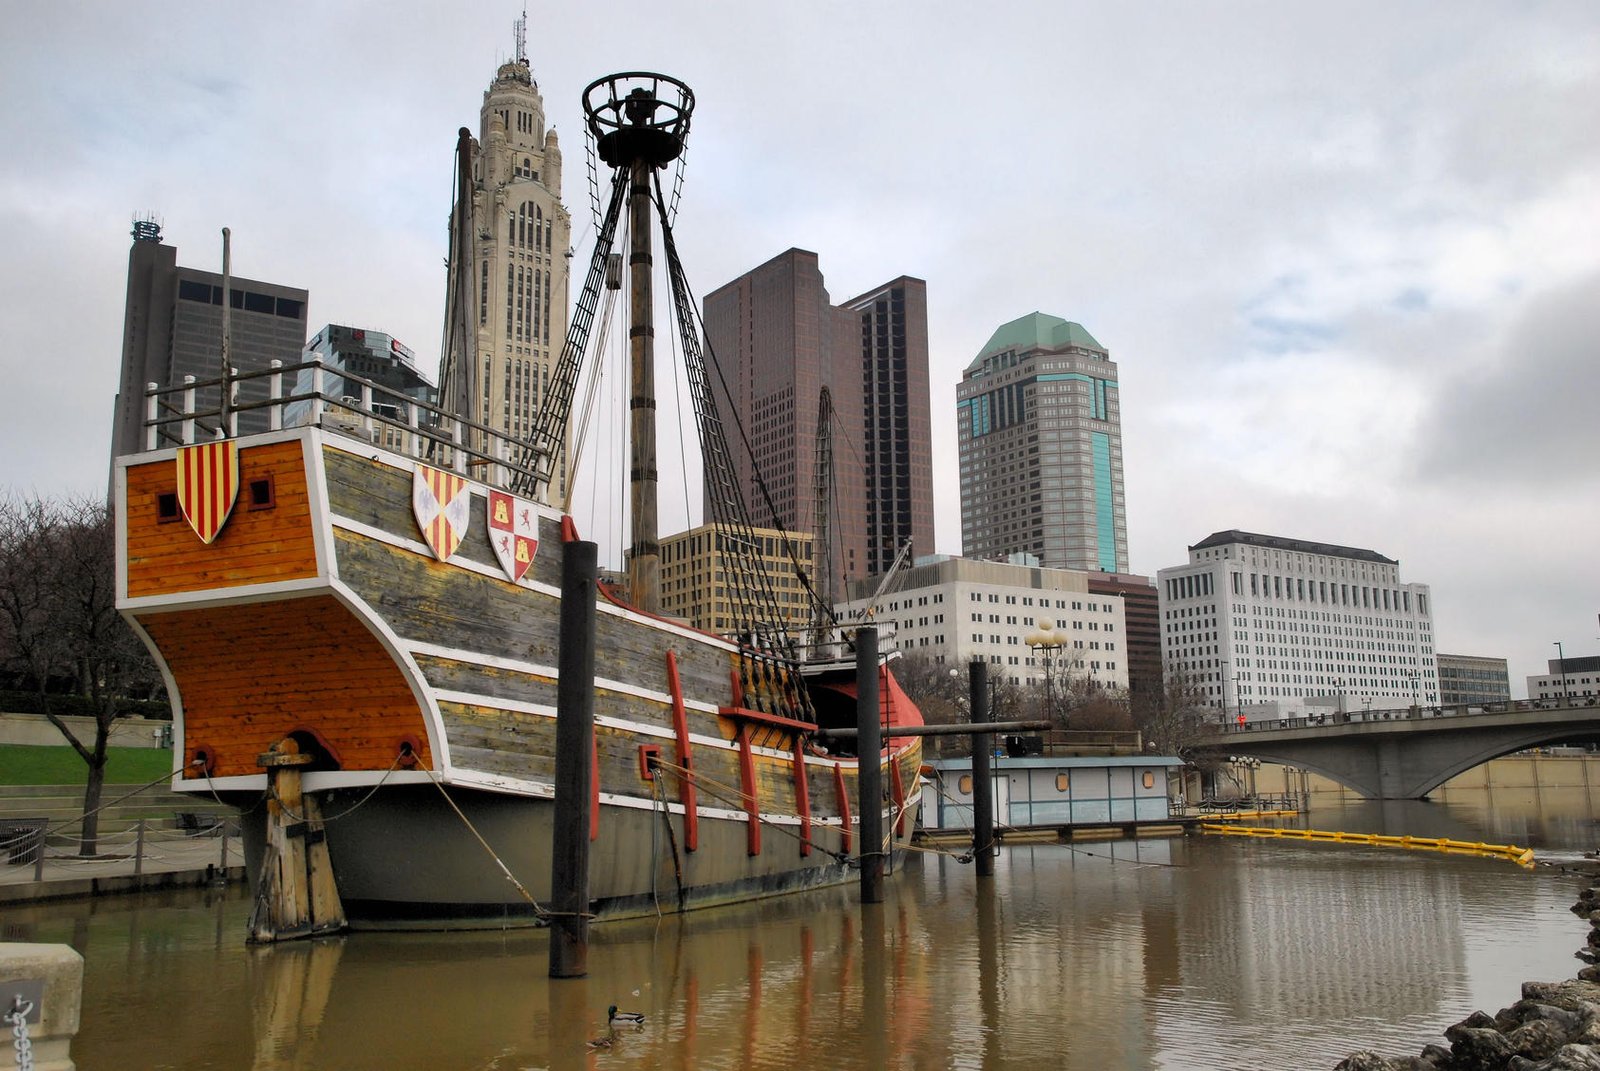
(261, 495)
(167, 507)
(964, 785)
(1149, 779)
(1063, 782)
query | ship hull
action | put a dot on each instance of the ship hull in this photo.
(425, 692)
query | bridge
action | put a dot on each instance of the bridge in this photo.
(1407, 753)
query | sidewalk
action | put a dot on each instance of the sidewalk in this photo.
(170, 859)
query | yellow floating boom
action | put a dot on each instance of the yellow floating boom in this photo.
(1520, 856)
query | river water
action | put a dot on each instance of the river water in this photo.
(1199, 952)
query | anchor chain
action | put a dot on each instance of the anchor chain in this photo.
(18, 1018)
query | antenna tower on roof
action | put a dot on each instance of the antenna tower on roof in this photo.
(520, 27)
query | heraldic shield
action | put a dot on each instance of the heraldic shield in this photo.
(208, 485)
(513, 533)
(442, 505)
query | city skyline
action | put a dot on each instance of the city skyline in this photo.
(1343, 258)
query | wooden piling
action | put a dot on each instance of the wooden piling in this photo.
(982, 766)
(569, 844)
(298, 897)
(869, 747)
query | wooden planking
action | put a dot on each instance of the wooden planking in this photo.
(254, 547)
(379, 495)
(440, 604)
(250, 675)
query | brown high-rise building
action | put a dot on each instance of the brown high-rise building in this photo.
(1141, 614)
(779, 340)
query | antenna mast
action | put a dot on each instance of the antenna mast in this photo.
(520, 28)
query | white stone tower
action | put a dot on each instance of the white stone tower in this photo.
(516, 284)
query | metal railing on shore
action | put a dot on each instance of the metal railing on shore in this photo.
(1408, 713)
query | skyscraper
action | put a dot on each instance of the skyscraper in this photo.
(172, 328)
(779, 341)
(511, 301)
(1040, 430)
(1271, 627)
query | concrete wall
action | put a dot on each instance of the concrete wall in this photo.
(35, 730)
(1511, 771)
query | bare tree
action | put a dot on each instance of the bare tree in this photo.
(60, 622)
(1179, 719)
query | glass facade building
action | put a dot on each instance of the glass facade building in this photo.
(1039, 419)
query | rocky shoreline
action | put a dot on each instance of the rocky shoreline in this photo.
(1554, 1027)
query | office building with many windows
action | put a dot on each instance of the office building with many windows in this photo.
(1268, 627)
(955, 610)
(779, 341)
(697, 585)
(1468, 679)
(1576, 679)
(1039, 421)
(383, 380)
(172, 328)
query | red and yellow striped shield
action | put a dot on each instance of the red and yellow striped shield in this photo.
(208, 484)
(442, 503)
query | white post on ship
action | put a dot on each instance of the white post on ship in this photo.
(152, 412)
(187, 427)
(275, 388)
(316, 393)
(366, 410)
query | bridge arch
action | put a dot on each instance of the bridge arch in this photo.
(1409, 758)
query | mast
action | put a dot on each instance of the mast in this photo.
(822, 628)
(630, 135)
(458, 365)
(225, 388)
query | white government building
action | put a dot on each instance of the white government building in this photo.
(1271, 628)
(956, 610)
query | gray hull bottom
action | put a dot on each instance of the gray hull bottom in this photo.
(404, 859)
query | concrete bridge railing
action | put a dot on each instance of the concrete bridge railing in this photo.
(1407, 753)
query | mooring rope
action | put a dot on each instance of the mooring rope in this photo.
(541, 912)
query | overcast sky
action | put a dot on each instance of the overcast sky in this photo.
(1347, 257)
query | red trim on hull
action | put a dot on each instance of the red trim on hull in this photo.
(680, 728)
(747, 787)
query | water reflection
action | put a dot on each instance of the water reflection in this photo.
(1202, 953)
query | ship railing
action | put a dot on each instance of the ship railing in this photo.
(313, 393)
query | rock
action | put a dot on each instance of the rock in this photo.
(1537, 1039)
(1524, 1011)
(1567, 1058)
(1573, 995)
(1477, 1020)
(1474, 1048)
(1587, 956)
(1365, 1060)
(1590, 973)
(1437, 1055)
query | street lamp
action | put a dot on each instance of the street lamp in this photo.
(1561, 660)
(1416, 683)
(1046, 638)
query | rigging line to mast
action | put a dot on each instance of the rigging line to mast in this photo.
(542, 452)
(591, 395)
(677, 398)
(801, 572)
(768, 657)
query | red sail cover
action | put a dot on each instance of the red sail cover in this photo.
(208, 484)
(895, 707)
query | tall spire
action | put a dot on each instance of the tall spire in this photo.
(520, 28)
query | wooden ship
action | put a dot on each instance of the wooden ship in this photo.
(357, 616)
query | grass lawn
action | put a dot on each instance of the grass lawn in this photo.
(23, 765)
